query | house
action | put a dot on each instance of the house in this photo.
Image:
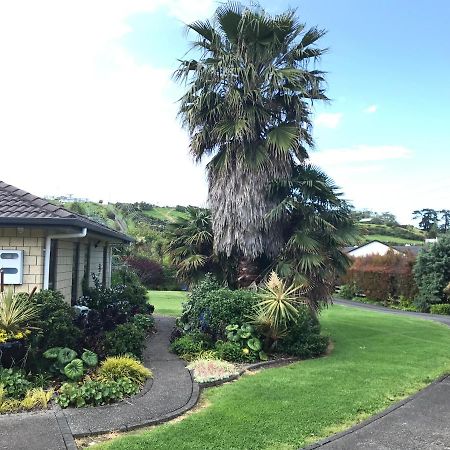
(379, 248)
(49, 247)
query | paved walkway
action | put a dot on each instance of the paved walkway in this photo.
(171, 393)
(421, 422)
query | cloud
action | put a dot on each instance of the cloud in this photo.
(358, 154)
(79, 115)
(371, 109)
(328, 120)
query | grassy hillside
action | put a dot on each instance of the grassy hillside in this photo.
(391, 234)
(164, 213)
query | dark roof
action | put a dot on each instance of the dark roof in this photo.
(20, 208)
(413, 249)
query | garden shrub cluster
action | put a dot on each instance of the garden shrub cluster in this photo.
(440, 308)
(59, 347)
(381, 277)
(219, 323)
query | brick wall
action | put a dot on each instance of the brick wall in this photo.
(64, 263)
(32, 242)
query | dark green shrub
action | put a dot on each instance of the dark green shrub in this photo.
(348, 291)
(191, 343)
(303, 338)
(440, 308)
(144, 321)
(211, 308)
(14, 383)
(432, 272)
(229, 351)
(55, 326)
(95, 392)
(126, 338)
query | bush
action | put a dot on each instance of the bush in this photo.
(381, 277)
(303, 338)
(149, 272)
(229, 351)
(144, 321)
(207, 370)
(116, 367)
(126, 338)
(191, 343)
(55, 322)
(432, 272)
(440, 308)
(95, 392)
(14, 382)
(348, 291)
(211, 308)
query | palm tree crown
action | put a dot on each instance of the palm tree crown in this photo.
(247, 109)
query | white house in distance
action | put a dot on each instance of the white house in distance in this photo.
(379, 248)
(49, 247)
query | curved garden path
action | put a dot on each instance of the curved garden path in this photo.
(171, 393)
(420, 422)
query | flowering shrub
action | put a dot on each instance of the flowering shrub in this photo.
(207, 370)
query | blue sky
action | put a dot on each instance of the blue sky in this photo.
(103, 91)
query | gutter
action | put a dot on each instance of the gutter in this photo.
(48, 242)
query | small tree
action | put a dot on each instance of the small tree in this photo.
(432, 273)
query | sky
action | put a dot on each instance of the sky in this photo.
(88, 105)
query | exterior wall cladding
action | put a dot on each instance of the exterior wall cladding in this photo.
(32, 242)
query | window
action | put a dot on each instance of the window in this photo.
(53, 264)
(75, 269)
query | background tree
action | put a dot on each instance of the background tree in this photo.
(445, 218)
(247, 108)
(428, 218)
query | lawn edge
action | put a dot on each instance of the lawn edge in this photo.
(380, 415)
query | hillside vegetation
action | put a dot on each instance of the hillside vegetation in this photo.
(391, 234)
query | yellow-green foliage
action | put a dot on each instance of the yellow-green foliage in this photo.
(116, 367)
(34, 398)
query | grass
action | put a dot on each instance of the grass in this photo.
(164, 213)
(391, 239)
(167, 303)
(378, 359)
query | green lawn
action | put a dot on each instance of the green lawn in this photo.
(391, 239)
(167, 303)
(378, 359)
(164, 213)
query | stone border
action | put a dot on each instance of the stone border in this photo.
(374, 418)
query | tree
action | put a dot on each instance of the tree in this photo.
(247, 108)
(428, 218)
(445, 218)
(191, 244)
(318, 223)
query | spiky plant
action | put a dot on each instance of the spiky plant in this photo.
(247, 109)
(16, 310)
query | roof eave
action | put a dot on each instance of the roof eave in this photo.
(66, 222)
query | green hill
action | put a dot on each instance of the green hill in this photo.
(391, 234)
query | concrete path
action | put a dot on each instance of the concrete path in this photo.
(420, 422)
(171, 393)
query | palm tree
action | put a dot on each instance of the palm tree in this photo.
(318, 223)
(190, 244)
(247, 109)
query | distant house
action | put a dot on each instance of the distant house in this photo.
(50, 247)
(379, 248)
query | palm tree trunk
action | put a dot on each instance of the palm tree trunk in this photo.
(248, 272)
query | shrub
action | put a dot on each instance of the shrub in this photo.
(55, 322)
(116, 367)
(126, 338)
(149, 272)
(95, 392)
(229, 351)
(249, 342)
(34, 398)
(144, 322)
(207, 370)
(211, 308)
(381, 277)
(440, 308)
(14, 382)
(432, 272)
(303, 338)
(191, 343)
(348, 291)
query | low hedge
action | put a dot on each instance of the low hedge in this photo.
(440, 308)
